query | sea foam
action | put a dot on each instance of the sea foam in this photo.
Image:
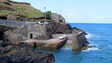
(90, 49)
(89, 35)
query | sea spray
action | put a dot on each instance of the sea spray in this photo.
(89, 35)
(90, 49)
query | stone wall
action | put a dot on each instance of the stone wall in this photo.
(48, 33)
(40, 31)
(10, 23)
(79, 41)
(7, 26)
(30, 31)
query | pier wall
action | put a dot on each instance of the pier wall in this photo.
(79, 41)
(48, 45)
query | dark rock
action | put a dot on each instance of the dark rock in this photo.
(87, 42)
(8, 48)
(26, 54)
(2, 50)
(61, 28)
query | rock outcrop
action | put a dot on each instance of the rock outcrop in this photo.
(57, 17)
(24, 54)
(61, 28)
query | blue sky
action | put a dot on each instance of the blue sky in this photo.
(77, 11)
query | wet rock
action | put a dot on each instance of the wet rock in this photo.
(26, 54)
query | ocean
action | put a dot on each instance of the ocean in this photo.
(99, 36)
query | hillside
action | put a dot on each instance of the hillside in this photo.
(22, 11)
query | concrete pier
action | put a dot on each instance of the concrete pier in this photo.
(79, 41)
(52, 44)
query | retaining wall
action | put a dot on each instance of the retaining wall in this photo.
(10, 23)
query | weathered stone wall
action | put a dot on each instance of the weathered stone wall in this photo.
(13, 37)
(79, 41)
(48, 29)
(10, 23)
(39, 31)
(30, 31)
(7, 26)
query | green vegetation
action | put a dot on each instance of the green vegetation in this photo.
(21, 10)
(48, 15)
(68, 45)
(62, 23)
(85, 48)
(29, 13)
(24, 11)
(5, 13)
(1, 3)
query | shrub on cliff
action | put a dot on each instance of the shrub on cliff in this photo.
(48, 15)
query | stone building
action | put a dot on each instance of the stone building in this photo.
(57, 17)
(30, 31)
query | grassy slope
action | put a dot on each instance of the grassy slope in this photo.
(28, 12)
(21, 10)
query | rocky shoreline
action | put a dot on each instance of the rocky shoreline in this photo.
(24, 53)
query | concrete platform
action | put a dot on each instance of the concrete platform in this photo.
(52, 44)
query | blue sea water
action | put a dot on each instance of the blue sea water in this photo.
(99, 36)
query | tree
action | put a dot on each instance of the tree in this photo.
(48, 15)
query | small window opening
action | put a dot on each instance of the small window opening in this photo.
(31, 36)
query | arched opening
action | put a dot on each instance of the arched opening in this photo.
(3, 17)
(31, 36)
(59, 32)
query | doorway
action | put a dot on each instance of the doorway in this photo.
(31, 36)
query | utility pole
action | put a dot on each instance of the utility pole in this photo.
(45, 13)
(61, 12)
(15, 13)
(66, 19)
(39, 16)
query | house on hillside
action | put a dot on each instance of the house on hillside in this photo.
(57, 17)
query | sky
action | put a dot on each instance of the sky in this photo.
(77, 11)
